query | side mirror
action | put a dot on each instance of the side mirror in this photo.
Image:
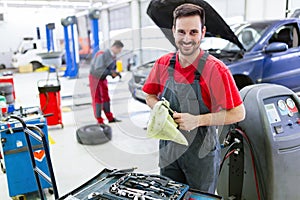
(276, 47)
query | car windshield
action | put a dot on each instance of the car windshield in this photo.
(247, 33)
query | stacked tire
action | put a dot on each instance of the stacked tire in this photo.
(6, 90)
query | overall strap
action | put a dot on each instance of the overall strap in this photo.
(200, 67)
(201, 64)
(172, 65)
(203, 108)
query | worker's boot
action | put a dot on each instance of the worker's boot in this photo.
(108, 113)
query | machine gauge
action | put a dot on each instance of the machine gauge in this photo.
(281, 105)
(290, 103)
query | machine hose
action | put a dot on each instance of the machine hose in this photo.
(252, 160)
(47, 102)
(227, 155)
(229, 152)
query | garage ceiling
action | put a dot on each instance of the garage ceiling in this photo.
(76, 4)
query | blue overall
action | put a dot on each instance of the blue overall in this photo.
(198, 163)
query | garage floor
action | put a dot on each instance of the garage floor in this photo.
(73, 163)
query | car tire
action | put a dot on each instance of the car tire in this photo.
(36, 65)
(94, 134)
(242, 81)
(2, 66)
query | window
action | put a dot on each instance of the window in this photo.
(288, 34)
(120, 18)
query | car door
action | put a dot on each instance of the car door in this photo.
(284, 67)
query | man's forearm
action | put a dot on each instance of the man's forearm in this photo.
(151, 100)
(187, 121)
(222, 117)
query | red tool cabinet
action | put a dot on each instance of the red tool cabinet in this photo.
(50, 101)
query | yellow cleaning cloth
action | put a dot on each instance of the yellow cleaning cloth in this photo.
(162, 126)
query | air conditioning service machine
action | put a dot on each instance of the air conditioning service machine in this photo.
(263, 150)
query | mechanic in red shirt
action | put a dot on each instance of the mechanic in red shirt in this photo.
(202, 99)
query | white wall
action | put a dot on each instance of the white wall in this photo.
(267, 9)
(294, 4)
(228, 8)
(22, 22)
(253, 9)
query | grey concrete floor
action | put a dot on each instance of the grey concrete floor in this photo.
(73, 163)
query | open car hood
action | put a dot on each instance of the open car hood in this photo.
(161, 12)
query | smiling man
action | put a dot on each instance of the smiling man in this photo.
(201, 90)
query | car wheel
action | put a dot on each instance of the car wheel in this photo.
(36, 65)
(242, 81)
(2, 66)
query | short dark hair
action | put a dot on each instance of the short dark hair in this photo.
(188, 9)
(118, 43)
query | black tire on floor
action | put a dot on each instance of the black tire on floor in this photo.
(94, 134)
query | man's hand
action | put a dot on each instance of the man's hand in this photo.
(186, 121)
(115, 74)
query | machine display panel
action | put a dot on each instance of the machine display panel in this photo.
(272, 113)
(283, 115)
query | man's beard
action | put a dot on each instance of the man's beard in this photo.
(190, 50)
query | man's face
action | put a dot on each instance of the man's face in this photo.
(188, 34)
(116, 50)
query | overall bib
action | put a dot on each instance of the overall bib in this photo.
(198, 163)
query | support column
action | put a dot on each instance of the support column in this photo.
(136, 29)
(50, 37)
(94, 15)
(105, 28)
(136, 24)
(72, 54)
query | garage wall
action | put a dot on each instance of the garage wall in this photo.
(253, 9)
(257, 9)
(268, 9)
(229, 8)
(21, 22)
(153, 42)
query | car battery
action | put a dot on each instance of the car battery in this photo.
(19, 171)
(50, 100)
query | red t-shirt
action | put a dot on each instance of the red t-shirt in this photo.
(218, 87)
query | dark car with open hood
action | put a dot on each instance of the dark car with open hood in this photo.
(265, 51)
